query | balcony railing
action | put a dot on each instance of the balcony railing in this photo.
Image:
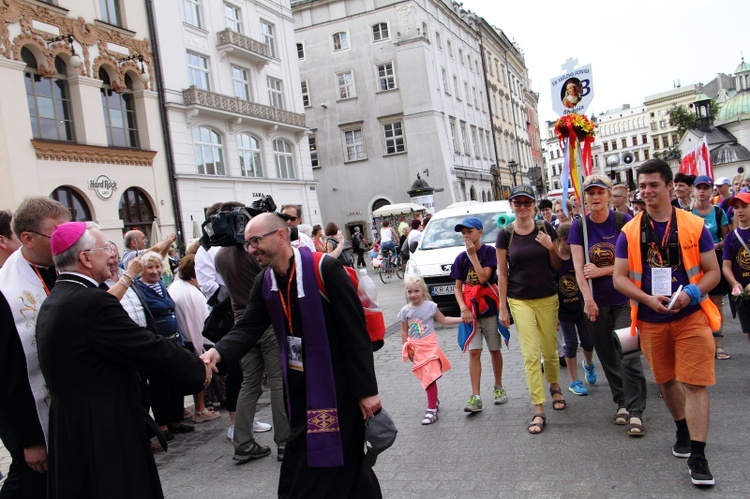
(233, 105)
(242, 46)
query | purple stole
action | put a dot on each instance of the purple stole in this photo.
(324, 448)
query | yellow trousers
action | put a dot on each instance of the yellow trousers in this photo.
(536, 323)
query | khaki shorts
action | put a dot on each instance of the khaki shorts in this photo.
(487, 329)
(682, 350)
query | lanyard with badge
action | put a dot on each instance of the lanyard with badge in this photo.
(294, 343)
(667, 253)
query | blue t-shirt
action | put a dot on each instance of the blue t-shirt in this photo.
(738, 255)
(420, 321)
(571, 301)
(463, 270)
(679, 276)
(709, 222)
(602, 240)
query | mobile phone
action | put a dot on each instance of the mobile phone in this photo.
(674, 298)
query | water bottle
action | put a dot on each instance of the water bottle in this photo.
(367, 291)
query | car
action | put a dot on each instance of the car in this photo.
(441, 244)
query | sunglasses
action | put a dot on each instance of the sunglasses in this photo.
(527, 203)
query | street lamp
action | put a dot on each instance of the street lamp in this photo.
(513, 167)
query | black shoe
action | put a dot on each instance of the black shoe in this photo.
(280, 453)
(183, 428)
(562, 362)
(168, 435)
(681, 447)
(255, 451)
(699, 472)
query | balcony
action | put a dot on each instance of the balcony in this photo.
(241, 46)
(232, 107)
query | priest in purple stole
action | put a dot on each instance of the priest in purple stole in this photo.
(327, 361)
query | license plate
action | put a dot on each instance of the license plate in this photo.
(443, 290)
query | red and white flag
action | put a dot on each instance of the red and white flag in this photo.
(697, 161)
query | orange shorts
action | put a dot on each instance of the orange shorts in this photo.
(683, 349)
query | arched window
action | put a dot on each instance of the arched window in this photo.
(48, 100)
(136, 211)
(79, 210)
(250, 158)
(473, 193)
(282, 154)
(208, 153)
(119, 113)
(484, 196)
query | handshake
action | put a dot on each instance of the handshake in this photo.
(210, 358)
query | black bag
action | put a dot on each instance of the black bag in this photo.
(221, 319)
(346, 257)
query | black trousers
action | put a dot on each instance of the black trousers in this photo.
(166, 401)
(21, 482)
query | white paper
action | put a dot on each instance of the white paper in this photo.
(661, 281)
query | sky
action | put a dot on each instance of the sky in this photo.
(635, 47)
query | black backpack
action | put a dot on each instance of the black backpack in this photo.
(346, 257)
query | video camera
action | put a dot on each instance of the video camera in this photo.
(227, 228)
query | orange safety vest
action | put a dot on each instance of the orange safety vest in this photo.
(688, 236)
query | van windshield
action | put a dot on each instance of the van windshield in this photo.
(441, 233)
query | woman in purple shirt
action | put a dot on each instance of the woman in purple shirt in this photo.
(607, 309)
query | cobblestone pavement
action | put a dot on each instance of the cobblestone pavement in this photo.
(580, 454)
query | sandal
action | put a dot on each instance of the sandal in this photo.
(722, 355)
(558, 404)
(540, 426)
(430, 417)
(635, 427)
(622, 416)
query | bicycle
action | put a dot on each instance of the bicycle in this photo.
(391, 266)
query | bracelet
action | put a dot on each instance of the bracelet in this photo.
(122, 281)
(464, 310)
(125, 274)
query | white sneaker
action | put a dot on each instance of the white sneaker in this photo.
(230, 433)
(260, 427)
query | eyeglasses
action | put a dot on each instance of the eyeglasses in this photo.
(40, 234)
(526, 204)
(107, 248)
(253, 242)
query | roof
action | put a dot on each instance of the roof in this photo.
(729, 153)
(737, 107)
(742, 67)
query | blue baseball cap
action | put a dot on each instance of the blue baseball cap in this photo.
(703, 179)
(522, 190)
(469, 223)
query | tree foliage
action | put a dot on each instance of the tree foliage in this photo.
(684, 119)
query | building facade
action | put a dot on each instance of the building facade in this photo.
(664, 137)
(622, 143)
(234, 104)
(394, 89)
(80, 118)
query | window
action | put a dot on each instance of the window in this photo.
(241, 83)
(340, 41)
(475, 142)
(467, 95)
(665, 141)
(109, 11)
(634, 138)
(425, 33)
(345, 82)
(637, 156)
(267, 31)
(275, 95)
(380, 32)
(313, 144)
(614, 145)
(354, 142)
(119, 113)
(456, 87)
(208, 153)
(624, 143)
(465, 138)
(48, 100)
(282, 154)
(662, 124)
(476, 66)
(449, 45)
(386, 77)
(438, 41)
(250, 158)
(198, 71)
(232, 18)
(646, 154)
(481, 101)
(74, 202)
(653, 126)
(300, 51)
(644, 139)
(606, 146)
(454, 136)
(674, 139)
(394, 137)
(461, 57)
(656, 142)
(474, 95)
(136, 211)
(192, 10)
(305, 94)
(446, 85)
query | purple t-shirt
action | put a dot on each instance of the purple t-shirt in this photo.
(734, 251)
(463, 270)
(602, 241)
(530, 273)
(571, 302)
(679, 276)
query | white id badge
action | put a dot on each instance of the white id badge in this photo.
(661, 281)
(295, 353)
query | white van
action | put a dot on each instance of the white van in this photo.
(441, 244)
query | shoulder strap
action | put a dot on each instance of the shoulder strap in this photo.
(619, 220)
(736, 233)
(541, 225)
(508, 235)
(318, 264)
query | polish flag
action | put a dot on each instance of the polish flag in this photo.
(697, 161)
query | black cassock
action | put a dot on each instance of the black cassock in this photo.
(90, 352)
(354, 378)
